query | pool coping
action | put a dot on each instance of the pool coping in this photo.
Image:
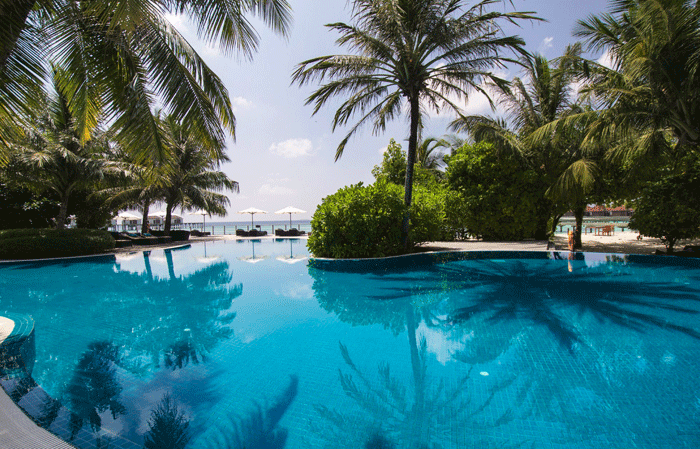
(18, 429)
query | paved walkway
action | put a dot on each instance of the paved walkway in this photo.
(17, 431)
(475, 245)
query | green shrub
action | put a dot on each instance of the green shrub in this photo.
(428, 215)
(496, 197)
(44, 243)
(669, 209)
(365, 221)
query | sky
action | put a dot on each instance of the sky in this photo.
(282, 155)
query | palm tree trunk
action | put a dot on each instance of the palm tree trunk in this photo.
(62, 213)
(543, 211)
(13, 19)
(578, 229)
(410, 162)
(168, 219)
(146, 207)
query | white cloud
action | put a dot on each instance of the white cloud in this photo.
(210, 50)
(272, 187)
(576, 87)
(606, 60)
(442, 344)
(292, 148)
(241, 103)
(546, 44)
(179, 21)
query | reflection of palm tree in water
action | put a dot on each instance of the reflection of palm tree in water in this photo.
(196, 326)
(419, 419)
(94, 387)
(504, 298)
(259, 430)
(168, 427)
(543, 294)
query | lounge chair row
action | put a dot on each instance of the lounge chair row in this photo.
(123, 239)
(290, 233)
(251, 233)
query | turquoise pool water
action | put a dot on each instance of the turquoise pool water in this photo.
(243, 344)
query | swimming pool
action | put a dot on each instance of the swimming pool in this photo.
(244, 344)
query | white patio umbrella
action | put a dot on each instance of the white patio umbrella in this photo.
(252, 211)
(204, 214)
(127, 216)
(290, 210)
(162, 214)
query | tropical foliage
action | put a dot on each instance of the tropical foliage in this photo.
(412, 55)
(117, 60)
(52, 158)
(192, 179)
(499, 195)
(651, 92)
(669, 209)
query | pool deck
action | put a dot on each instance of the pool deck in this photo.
(17, 431)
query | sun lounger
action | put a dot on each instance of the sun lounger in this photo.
(290, 233)
(251, 233)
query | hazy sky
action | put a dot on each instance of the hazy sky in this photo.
(285, 157)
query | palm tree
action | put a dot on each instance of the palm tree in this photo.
(191, 180)
(413, 54)
(429, 154)
(120, 58)
(650, 96)
(52, 158)
(543, 97)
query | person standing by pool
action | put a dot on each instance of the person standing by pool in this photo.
(571, 240)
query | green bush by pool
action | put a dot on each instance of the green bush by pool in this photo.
(45, 243)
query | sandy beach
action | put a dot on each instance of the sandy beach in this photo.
(621, 242)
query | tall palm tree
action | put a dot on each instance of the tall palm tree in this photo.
(52, 158)
(542, 97)
(191, 179)
(412, 55)
(119, 58)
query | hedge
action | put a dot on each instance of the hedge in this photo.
(45, 243)
(361, 221)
